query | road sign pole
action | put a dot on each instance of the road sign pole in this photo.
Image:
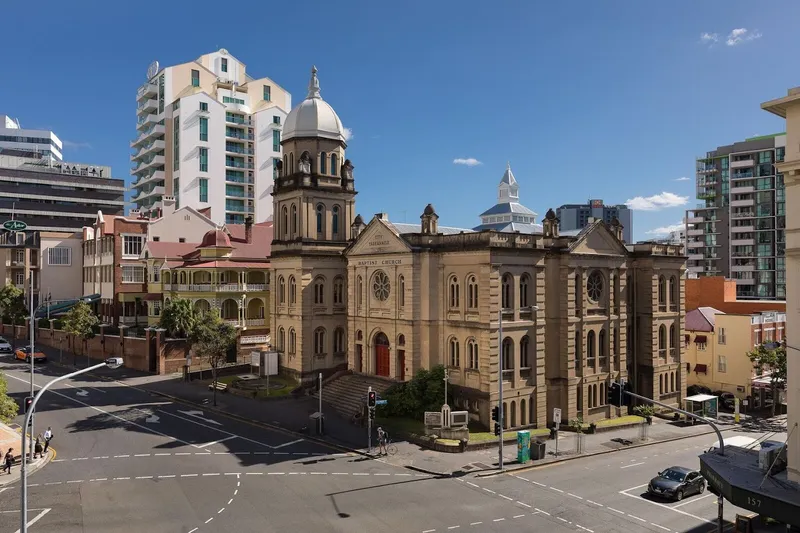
(369, 424)
(500, 384)
(556, 424)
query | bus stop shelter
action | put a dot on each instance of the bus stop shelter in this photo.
(703, 405)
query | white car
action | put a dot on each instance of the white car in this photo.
(5, 346)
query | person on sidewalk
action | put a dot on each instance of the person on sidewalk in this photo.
(381, 441)
(8, 460)
(37, 447)
(48, 436)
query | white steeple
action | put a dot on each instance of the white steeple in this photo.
(313, 84)
(508, 190)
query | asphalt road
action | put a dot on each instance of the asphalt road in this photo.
(606, 493)
(128, 460)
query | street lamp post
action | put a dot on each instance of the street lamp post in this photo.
(532, 308)
(112, 362)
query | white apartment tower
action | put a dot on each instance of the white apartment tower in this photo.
(21, 142)
(209, 135)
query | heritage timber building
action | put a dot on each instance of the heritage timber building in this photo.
(388, 299)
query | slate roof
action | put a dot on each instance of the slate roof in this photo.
(701, 319)
(417, 228)
(508, 207)
(511, 227)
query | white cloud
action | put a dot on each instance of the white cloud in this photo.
(348, 134)
(708, 38)
(657, 201)
(665, 230)
(682, 178)
(469, 161)
(741, 35)
(76, 145)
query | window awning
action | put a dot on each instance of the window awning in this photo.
(700, 339)
(701, 369)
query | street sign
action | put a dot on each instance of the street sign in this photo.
(381, 402)
(557, 416)
(14, 225)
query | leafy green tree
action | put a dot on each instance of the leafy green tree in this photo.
(8, 407)
(771, 358)
(12, 306)
(425, 392)
(178, 318)
(80, 322)
(211, 339)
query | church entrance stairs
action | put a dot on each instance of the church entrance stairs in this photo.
(347, 393)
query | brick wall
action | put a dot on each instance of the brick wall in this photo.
(720, 293)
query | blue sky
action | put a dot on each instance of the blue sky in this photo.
(610, 99)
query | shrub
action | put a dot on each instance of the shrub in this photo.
(425, 392)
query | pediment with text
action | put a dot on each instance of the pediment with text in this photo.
(377, 238)
(598, 241)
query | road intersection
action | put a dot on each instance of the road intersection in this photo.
(127, 457)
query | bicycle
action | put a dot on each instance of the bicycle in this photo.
(391, 449)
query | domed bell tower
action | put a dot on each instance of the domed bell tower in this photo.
(314, 210)
(314, 193)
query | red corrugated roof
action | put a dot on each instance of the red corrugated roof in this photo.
(223, 264)
(261, 245)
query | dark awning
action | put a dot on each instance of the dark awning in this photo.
(700, 369)
(700, 339)
(152, 297)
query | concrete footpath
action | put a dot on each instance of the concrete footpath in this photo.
(11, 437)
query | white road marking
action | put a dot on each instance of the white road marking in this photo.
(490, 491)
(319, 473)
(287, 444)
(687, 502)
(106, 457)
(166, 477)
(215, 442)
(540, 511)
(518, 516)
(472, 484)
(230, 501)
(615, 510)
(498, 519)
(637, 518)
(453, 527)
(209, 520)
(156, 454)
(562, 519)
(666, 507)
(660, 526)
(192, 531)
(220, 511)
(594, 503)
(476, 523)
(202, 453)
(212, 474)
(179, 453)
(128, 455)
(75, 481)
(429, 531)
(524, 504)
(628, 466)
(36, 518)
(584, 528)
(142, 455)
(360, 474)
(236, 492)
(574, 495)
(506, 497)
(189, 475)
(555, 489)
(144, 477)
(120, 478)
(537, 483)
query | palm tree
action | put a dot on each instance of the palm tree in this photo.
(178, 318)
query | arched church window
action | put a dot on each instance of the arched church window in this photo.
(285, 222)
(335, 221)
(323, 163)
(320, 221)
(334, 164)
(291, 164)
(294, 220)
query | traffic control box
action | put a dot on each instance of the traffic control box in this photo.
(523, 446)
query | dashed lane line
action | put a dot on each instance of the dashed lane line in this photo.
(660, 526)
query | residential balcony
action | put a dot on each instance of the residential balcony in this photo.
(254, 339)
(239, 135)
(237, 164)
(743, 203)
(238, 120)
(705, 169)
(742, 175)
(255, 322)
(695, 220)
(148, 105)
(743, 190)
(145, 122)
(148, 149)
(745, 281)
(217, 287)
(147, 90)
(744, 163)
(239, 179)
(735, 253)
(743, 242)
(697, 269)
(154, 161)
(695, 244)
(742, 229)
(156, 191)
(743, 214)
(154, 132)
(695, 232)
(144, 179)
(239, 150)
(695, 257)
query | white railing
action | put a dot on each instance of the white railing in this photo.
(211, 287)
(252, 322)
(254, 339)
(232, 321)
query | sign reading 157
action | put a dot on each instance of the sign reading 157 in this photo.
(14, 225)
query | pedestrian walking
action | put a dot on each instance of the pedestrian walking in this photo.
(8, 460)
(37, 447)
(48, 436)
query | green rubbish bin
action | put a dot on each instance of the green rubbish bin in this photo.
(523, 446)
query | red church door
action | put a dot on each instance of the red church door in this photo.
(382, 367)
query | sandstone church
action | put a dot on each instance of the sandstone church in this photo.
(388, 299)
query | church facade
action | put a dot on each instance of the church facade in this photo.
(388, 299)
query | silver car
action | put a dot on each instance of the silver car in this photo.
(5, 347)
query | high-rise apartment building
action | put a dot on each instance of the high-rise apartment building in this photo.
(14, 140)
(209, 135)
(739, 229)
(575, 217)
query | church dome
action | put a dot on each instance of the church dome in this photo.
(215, 238)
(314, 117)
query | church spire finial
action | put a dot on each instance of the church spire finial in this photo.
(313, 84)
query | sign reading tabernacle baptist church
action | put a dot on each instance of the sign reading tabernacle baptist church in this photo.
(378, 244)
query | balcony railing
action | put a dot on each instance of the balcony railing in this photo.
(254, 339)
(662, 353)
(508, 375)
(255, 322)
(214, 287)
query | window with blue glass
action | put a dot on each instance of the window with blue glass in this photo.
(176, 192)
(203, 190)
(176, 151)
(335, 221)
(230, 100)
(203, 106)
(323, 163)
(195, 78)
(320, 220)
(203, 159)
(224, 65)
(203, 129)
(276, 119)
(276, 141)
(267, 93)
(275, 162)
(334, 164)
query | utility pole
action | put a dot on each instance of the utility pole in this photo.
(320, 394)
(32, 359)
(500, 384)
(446, 379)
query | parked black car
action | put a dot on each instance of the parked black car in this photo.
(676, 482)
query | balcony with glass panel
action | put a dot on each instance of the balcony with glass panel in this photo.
(148, 105)
(743, 190)
(152, 132)
(147, 90)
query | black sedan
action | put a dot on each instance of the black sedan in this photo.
(676, 482)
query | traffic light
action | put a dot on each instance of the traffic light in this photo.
(372, 398)
(626, 399)
(372, 413)
(496, 414)
(615, 394)
(496, 428)
(28, 403)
